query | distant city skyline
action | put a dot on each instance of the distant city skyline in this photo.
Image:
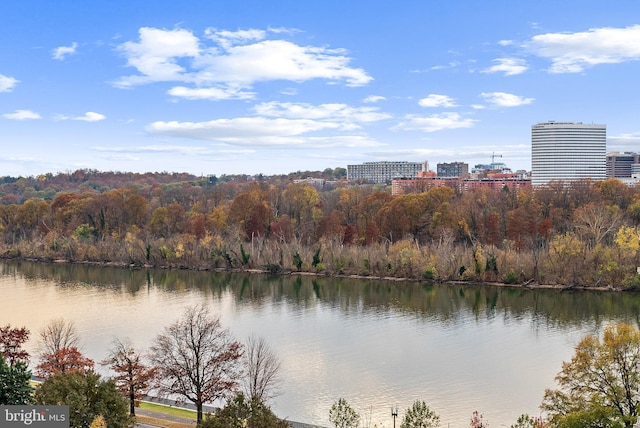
(256, 87)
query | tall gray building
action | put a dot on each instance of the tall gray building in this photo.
(384, 172)
(567, 151)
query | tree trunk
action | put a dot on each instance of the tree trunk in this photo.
(199, 409)
(132, 401)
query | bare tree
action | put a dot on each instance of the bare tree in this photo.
(58, 334)
(262, 370)
(133, 377)
(197, 359)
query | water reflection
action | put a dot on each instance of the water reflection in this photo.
(459, 347)
(441, 302)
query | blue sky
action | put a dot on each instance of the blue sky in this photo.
(229, 87)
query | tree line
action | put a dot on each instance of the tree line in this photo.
(580, 233)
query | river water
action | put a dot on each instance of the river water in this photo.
(378, 344)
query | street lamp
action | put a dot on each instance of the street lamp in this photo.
(394, 413)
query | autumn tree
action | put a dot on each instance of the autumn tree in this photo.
(133, 377)
(628, 239)
(11, 341)
(342, 415)
(262, 370)
(98, 422)
(197, 359)
(600, 383)
(298, 201)
(64, 360)
(402, 216)
(88, 396)
(419, 415)
(330, 226)
(614, 192)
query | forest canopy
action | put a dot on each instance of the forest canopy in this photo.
(581, 233)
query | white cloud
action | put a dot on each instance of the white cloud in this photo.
(89, 116)
(573, 52)
(335, 112)
(452, 64)
(155, 55)
(227, 39)
(7, 83)
(623, 142)
(264, 132)
(350, 141)
(185, 150)
(503, 99)
(21, 115)
(219, 93)
(436, 100)
(374, 99)
(278, 60)
(61, 52)
(505, 42)
(436, 122)
(236, 59)
(508, 66)
(244, 131)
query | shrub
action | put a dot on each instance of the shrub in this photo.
(273, 268)
(297, 261)
(511, 278)
(429, 273)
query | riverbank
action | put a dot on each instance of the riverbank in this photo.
(530, 284)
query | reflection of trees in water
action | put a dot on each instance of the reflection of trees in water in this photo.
(443, 302)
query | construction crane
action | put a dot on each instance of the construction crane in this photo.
(493, 158)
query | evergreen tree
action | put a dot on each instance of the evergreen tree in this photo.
(243, 412)
(87, 397)
(419, 415)
(15, 388)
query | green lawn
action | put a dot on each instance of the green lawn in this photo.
(169, 410)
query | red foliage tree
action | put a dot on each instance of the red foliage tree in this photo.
(133, 377)
(350, 234)
(11, 340)
(64, 360)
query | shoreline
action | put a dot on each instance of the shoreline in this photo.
(530, 285)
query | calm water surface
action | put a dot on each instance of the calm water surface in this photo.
(375, 343)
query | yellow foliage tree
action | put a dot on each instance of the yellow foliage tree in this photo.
(598, 387)
(628, 238)
(98, 422)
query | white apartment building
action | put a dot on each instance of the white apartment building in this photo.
(567, 151)
(385, 171)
